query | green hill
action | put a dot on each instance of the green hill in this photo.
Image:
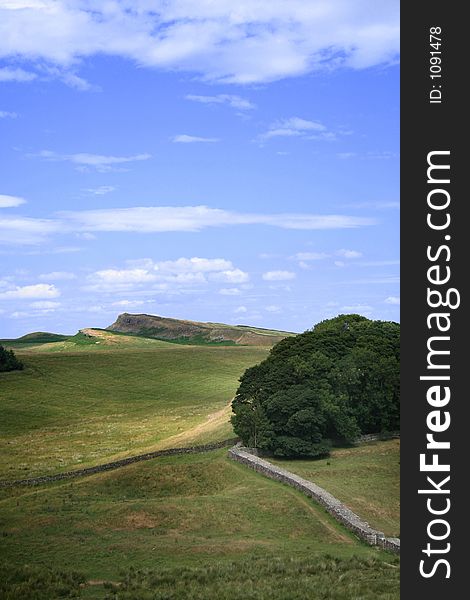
(81, 406)
(147, 332)
(33, 339)
(193, 526)
(194, 332)
(92, 340)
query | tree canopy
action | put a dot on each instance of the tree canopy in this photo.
(335, 382)
(8, 360)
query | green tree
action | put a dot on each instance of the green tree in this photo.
(8, 360)
(333, 382)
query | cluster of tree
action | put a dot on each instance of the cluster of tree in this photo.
(335, 382)
(8, 360)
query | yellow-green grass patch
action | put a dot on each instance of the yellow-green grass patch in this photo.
(175, 511)
(366, 478)
(66, 411)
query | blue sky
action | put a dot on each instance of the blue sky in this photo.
(197, 161)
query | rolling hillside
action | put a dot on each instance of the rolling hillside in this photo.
(79, 403)
(194, 526)
(194, 332)
(189, 526)
(33, 339)
(147, 332)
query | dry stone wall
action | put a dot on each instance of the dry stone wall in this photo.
(116, 464)
(336, 508)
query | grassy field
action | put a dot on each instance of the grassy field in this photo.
(198, 527)
(193, 526)
(366, 478)
(73, 409)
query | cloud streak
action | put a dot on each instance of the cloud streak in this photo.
(192, 139)
(16, 230)
(6, 114)
(85, 161)
(7, 201)
(18, 75)
(195, 218)
(155, 219)
(231, 100)
(294, 126)
(278, 276)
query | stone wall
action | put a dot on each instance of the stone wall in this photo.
(116, 464)
(336, 508)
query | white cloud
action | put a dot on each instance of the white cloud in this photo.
(278, 275)
(192, 139)
(241, 310)
(384, 155)
(18, 75)
(6, 114)
(392, 300)
(85, 235)
(230, 276)
(230, 292)
(24, 230)
(230, 99)
(123, 276)
(38, 290)
(45, 304)
(95, 308)
(253, 41)
(128, 303)
(55, 250)
(169, 275)
(57, 276)
(146, 219)
(349, 253)
(70, 78)
(273, 308)
(339, 263)
(193, 265)
(10, 201)
(374, 205)
(268, 255)
(74, 81)
(385, 205)
(186, 278)
(304, 256)
(372, 280)
(379, 263)
(294, 126)
(101, 190)
(153, 219)
(83, 160)
(300, 128)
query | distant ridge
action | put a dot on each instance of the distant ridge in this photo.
(38, 337)
(195, 332)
